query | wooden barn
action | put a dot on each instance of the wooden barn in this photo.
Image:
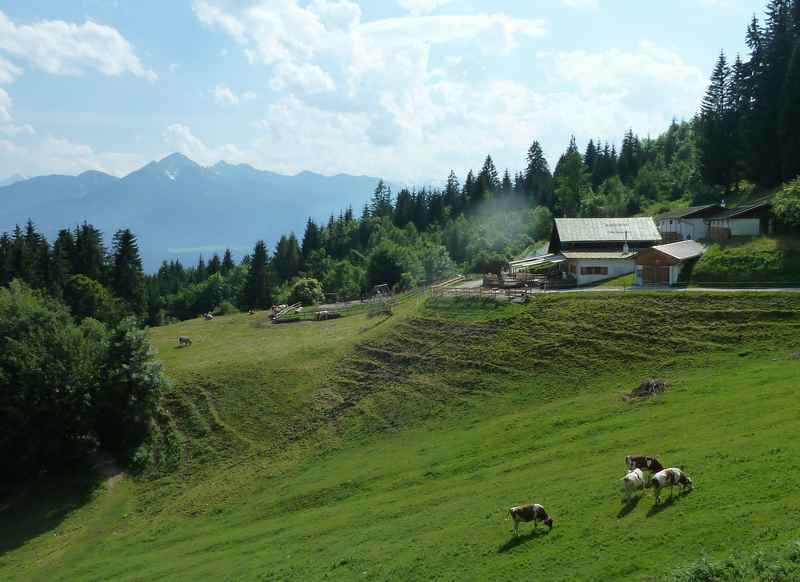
(594, 249)
(662, 264)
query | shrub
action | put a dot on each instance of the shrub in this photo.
(307, 291)
(225, 308)
(786, 204)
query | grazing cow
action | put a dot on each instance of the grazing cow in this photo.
(633, 481)
(670, 477)
(184, 340)
(644, 462)
(208, 316)
(527, 513)
(251, 312)
(321, 315)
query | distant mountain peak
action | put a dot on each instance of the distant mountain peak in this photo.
(13, 179)
(177, 160)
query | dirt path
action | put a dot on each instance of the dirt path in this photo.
(108, 469)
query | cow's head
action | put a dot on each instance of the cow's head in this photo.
(688, 482)
(549, 522)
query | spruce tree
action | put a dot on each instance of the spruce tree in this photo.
(381, 204)
(507, 186)
(312, 239)
(537, 177)
(227, 263)
(257, 293)
(488, 180)
(89, 256)
(452, 192)
(127, 279)
(790, 118)
(214, 265)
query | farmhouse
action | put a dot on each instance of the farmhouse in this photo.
(662, 264)
(594, 249)
(686, 223)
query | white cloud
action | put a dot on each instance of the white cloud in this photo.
(63, 156)
(179, 138)
(5, 106)
(580, 3)
(626, 72)
(306, 77)
(14, 130)
(63, 48)
(215, 17)
(422, 6)
(8, 71)
(224, 96)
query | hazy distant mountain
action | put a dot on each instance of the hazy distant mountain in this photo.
(179, 209)
(12, 179)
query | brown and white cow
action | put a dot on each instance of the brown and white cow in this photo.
(633, 481)
(643, 462)
(669, 478)
(527, 513)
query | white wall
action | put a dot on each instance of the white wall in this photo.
(688, 228)
(616, 268)
(740, 226)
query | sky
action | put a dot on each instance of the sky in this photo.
(402, 89)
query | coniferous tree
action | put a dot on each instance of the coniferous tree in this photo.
(790, 117)
(488, 180)
(403, 208)
(89, 255)
(312, 238)
(538, 180)
(571, 180)
(127, 278)
(287, 257)
(506, 186)
(716, 131)
(590, 156)
(257, 293)
(214, 265)
(452, 194)
(381, 204)
(227, 263)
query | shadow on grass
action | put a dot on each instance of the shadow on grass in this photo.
(629, 506)
(31, 509)
(666, 504)
(523, 539)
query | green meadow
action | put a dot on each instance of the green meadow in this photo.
(391, 448)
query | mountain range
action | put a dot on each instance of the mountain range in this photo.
(180, 209)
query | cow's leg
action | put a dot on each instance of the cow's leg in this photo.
(516, 528)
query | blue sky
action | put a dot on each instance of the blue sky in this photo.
(405, 89)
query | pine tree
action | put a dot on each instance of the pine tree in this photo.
(381, 204)
(590, 156)
(629, 158)
(403, 208)
(468, 191)
(537, 177)
(127, 278)
(200, 272)
(488, 180)
(716, 132)
(312, 239)
(214, 265)
(287, 257)
(257, 293)
(507, 186)
(227, 263)
(790, 118)
(89, 256)
(452, 191)
(572, 181)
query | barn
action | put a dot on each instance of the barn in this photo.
(686, 223)
(595, 249)
(662, 264)
(748, 220)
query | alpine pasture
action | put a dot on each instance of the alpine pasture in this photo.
(391, 448)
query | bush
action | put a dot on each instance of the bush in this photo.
(489, 262)
(307, 291)
(88, 298)
(384, 265)
(786, 204)
(65, 388)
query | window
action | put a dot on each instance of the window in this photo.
(594, 270)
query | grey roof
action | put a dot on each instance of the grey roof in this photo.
(686, 212)
(575, 230)
(597, 255)
(682, 250)
(734, 212)
(536, 261)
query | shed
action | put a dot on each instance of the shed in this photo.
(747, 220)
(663, 264)
(686, 223)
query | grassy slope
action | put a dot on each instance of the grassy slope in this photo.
(399, 463)
(750, 260)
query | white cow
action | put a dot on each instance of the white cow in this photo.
(670, 477)
(633, 481)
